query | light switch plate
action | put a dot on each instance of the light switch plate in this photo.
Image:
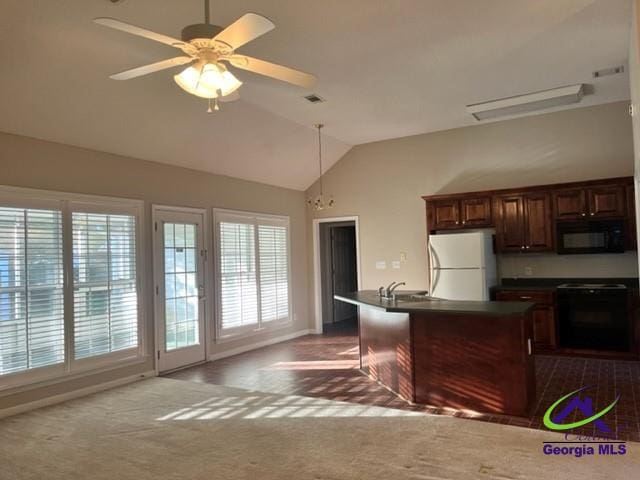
(381, 265)
(395, 264)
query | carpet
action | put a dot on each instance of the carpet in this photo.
(171, 429)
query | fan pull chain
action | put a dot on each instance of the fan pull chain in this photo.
(216, 107)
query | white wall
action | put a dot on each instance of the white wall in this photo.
(382, 182)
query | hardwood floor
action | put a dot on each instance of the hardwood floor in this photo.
(327, 366)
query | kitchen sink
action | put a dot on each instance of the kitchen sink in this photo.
(412, 297)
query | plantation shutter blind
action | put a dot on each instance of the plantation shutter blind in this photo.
(238, 281)
(105, 284)
(253, 270)
(274, 271)
(31, 289)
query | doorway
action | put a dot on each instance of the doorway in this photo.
(180, 293)
(338, 275)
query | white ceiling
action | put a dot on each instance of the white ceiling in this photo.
(388, 68)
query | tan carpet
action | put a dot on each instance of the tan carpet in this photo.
(171, 429)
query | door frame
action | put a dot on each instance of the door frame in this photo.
(316, 263)
(207, 275)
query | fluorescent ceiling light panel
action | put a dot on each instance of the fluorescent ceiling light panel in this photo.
(527, 103)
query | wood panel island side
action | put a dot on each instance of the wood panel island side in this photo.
(459, 354)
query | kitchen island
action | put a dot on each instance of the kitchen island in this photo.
(460, 354)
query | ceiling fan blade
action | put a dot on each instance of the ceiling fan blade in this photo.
(232, 97)
(141, 32)
(152, 67)
(273, 70)
(248, 27)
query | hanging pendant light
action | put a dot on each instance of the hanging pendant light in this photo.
(319, 202)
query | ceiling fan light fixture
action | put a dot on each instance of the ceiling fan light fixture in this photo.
(207, 80)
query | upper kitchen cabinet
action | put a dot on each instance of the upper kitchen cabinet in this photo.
(510, 223)
(598, 201)
(476, 212)
(570, 204)
(523, 223)
(606, 201)
(537, 222)
(468, 212)
(526, 218)
(445, 214)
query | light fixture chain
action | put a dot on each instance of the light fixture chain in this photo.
(206, 12)
(320, 154)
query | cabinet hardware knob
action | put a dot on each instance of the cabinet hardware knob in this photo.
(528, 246)
(524, 297)
(464, 221)
(457, 222)
(592, 214)
(584, 214)
(522, 247)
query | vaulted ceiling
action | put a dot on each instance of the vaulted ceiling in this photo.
(386, 69)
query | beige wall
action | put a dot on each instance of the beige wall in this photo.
(27, 162)
(382, 182)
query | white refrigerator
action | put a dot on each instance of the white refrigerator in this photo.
(462, 266)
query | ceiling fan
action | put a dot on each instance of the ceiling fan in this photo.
(205, 48)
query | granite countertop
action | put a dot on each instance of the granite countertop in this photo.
(370, 298)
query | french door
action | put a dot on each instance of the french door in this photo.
(180, 293)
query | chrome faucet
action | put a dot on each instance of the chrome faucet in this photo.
(391, 288)
(388, 292)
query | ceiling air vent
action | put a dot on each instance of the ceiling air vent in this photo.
(608, 71)
(314, 98)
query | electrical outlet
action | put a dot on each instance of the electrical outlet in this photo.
(528, 271)
(403, 257)
(395, 264)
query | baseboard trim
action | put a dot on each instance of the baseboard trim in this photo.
(81, 392)
(253, 346)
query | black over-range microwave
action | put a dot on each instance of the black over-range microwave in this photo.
(590, 236)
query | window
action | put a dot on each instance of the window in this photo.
(104, 274)
(252, 271)
(31, 289)
(92, 242)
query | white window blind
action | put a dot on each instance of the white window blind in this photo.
(253, 270)
(105, 284)
(31, 289)
(274, 272)
(238, 282)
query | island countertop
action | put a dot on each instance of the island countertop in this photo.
(371, 299)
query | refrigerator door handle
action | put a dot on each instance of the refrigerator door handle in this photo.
(432, 269)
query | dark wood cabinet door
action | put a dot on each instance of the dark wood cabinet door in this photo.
(475, 212)
(446, 214)
(606, 201)
(569, 204)
(538, 224)
(510, 224)
(631, 236)
(544, 328)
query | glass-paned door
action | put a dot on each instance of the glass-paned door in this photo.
(180, 289)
